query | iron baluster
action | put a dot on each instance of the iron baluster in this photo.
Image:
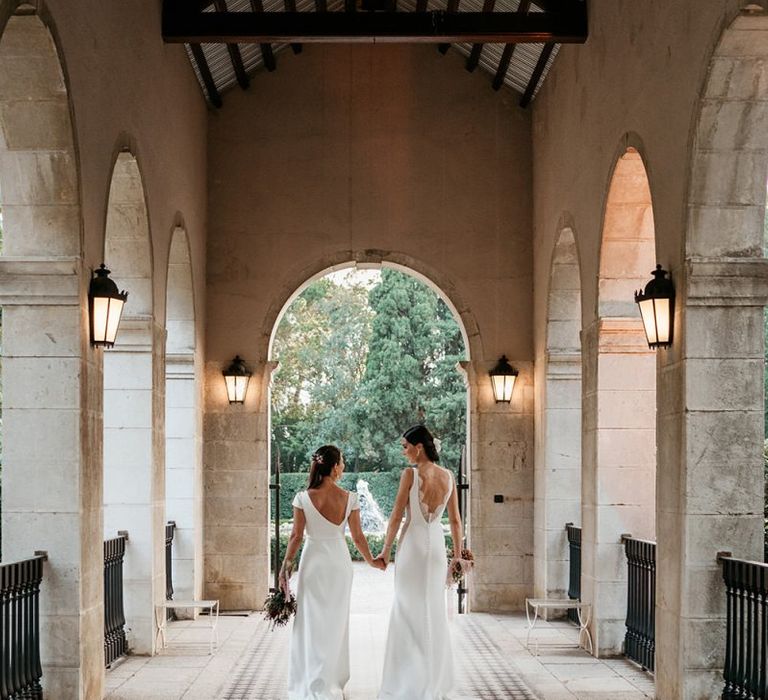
(574, 567)
(462, 486)
(275, 487)
(170, 530)
(639, 640)
(115, 644)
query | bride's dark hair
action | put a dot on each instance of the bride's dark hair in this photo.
(419, 435)
(324, 459)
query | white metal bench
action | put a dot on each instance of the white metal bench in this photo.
(583, 610)
(212, 606)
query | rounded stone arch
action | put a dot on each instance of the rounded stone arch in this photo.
(180, 293)
(442, 286)
(127, 235)
(39, 175)
(557, 485)
(627, 239)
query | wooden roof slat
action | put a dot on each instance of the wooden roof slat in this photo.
(452, 6)
(205, 74)
(290, 6)
(267, 54)
(546, 52)
(509, 49)
(234, 52)
(474, 56)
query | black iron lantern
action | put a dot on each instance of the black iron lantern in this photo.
(237, 376)
(503, 377)
(657, 308)
(105, 304)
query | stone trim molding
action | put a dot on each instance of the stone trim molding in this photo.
(727, 281)
(40, 281)
(621, 335)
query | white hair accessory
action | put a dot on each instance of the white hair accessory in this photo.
(438, 445)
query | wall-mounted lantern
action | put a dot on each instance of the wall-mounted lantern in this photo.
(503, 377)
(657, 308)
(105, 304)
(237, 376)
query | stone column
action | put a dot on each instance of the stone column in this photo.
(183, 476)
(236, 474)
(134, 470)
(558, 473)
(619, 460)
(52, 463)
(501, 465)
(710, 473)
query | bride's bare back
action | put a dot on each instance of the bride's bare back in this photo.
(330, 501)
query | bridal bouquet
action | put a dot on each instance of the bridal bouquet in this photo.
(278, 609)
(458, 568)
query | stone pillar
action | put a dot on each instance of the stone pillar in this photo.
(502, 464)
(558, 473)
(183, 476)
(236, 474)
(619, 460)
(134, 470)
(710, 474)
(52, 463)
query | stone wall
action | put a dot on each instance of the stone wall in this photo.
(376, 155)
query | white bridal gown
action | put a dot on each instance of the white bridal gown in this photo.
(418, 663)
(319, 659)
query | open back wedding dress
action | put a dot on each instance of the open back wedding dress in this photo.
(418, 663)
(319, 662)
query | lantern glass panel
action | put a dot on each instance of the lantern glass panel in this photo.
(649, 316)
(115, 311)
(236, 387)
(663, 314)
(503, 384)
(100, 317)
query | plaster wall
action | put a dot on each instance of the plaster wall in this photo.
(377, 154)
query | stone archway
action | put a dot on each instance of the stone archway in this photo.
(710, 450)
(50, 377)
(619, 437)
(134, 408)
(558, 465)
(183, 444)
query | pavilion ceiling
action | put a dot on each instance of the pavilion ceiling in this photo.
(515, 41)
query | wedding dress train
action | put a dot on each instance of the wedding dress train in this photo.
(319, 657)
(418, 663)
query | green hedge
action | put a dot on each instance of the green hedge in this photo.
(383, 486)
(375, 543)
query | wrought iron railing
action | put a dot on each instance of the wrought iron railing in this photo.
(640, 638)
(115, 644)
(746, 645)
(462, 486)
(170, 529)
(574, 568)
(20, 668)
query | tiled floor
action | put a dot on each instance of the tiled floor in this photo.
(492, 661)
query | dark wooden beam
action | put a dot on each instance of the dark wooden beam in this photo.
(234, 53)
(546, 52)
(205, 74)
(290, 6)
(421, 5)
(452, 6)
(267, 54)
(509, 49)
(321, 5)
(477, 49)
(181, 25)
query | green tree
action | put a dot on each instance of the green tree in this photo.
(410, 375)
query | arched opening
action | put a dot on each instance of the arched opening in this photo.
(183, 444)
(619, 459)
(381, 347)
(134, 485)
(557, 489)
(711, 465)
(45, 361)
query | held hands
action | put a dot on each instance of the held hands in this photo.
(379, 563)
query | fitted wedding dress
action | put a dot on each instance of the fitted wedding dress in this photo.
(418, 663)
(319, 657)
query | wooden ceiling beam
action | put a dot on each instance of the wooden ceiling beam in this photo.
(182, 25)
(452, 6)
(533, 83)
(234, 52)
(509, 49)
(290, 6)
(474, 56)
(205, 74)
(267, 55)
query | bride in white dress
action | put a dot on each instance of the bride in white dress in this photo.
(319, 657)
(418, 662)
